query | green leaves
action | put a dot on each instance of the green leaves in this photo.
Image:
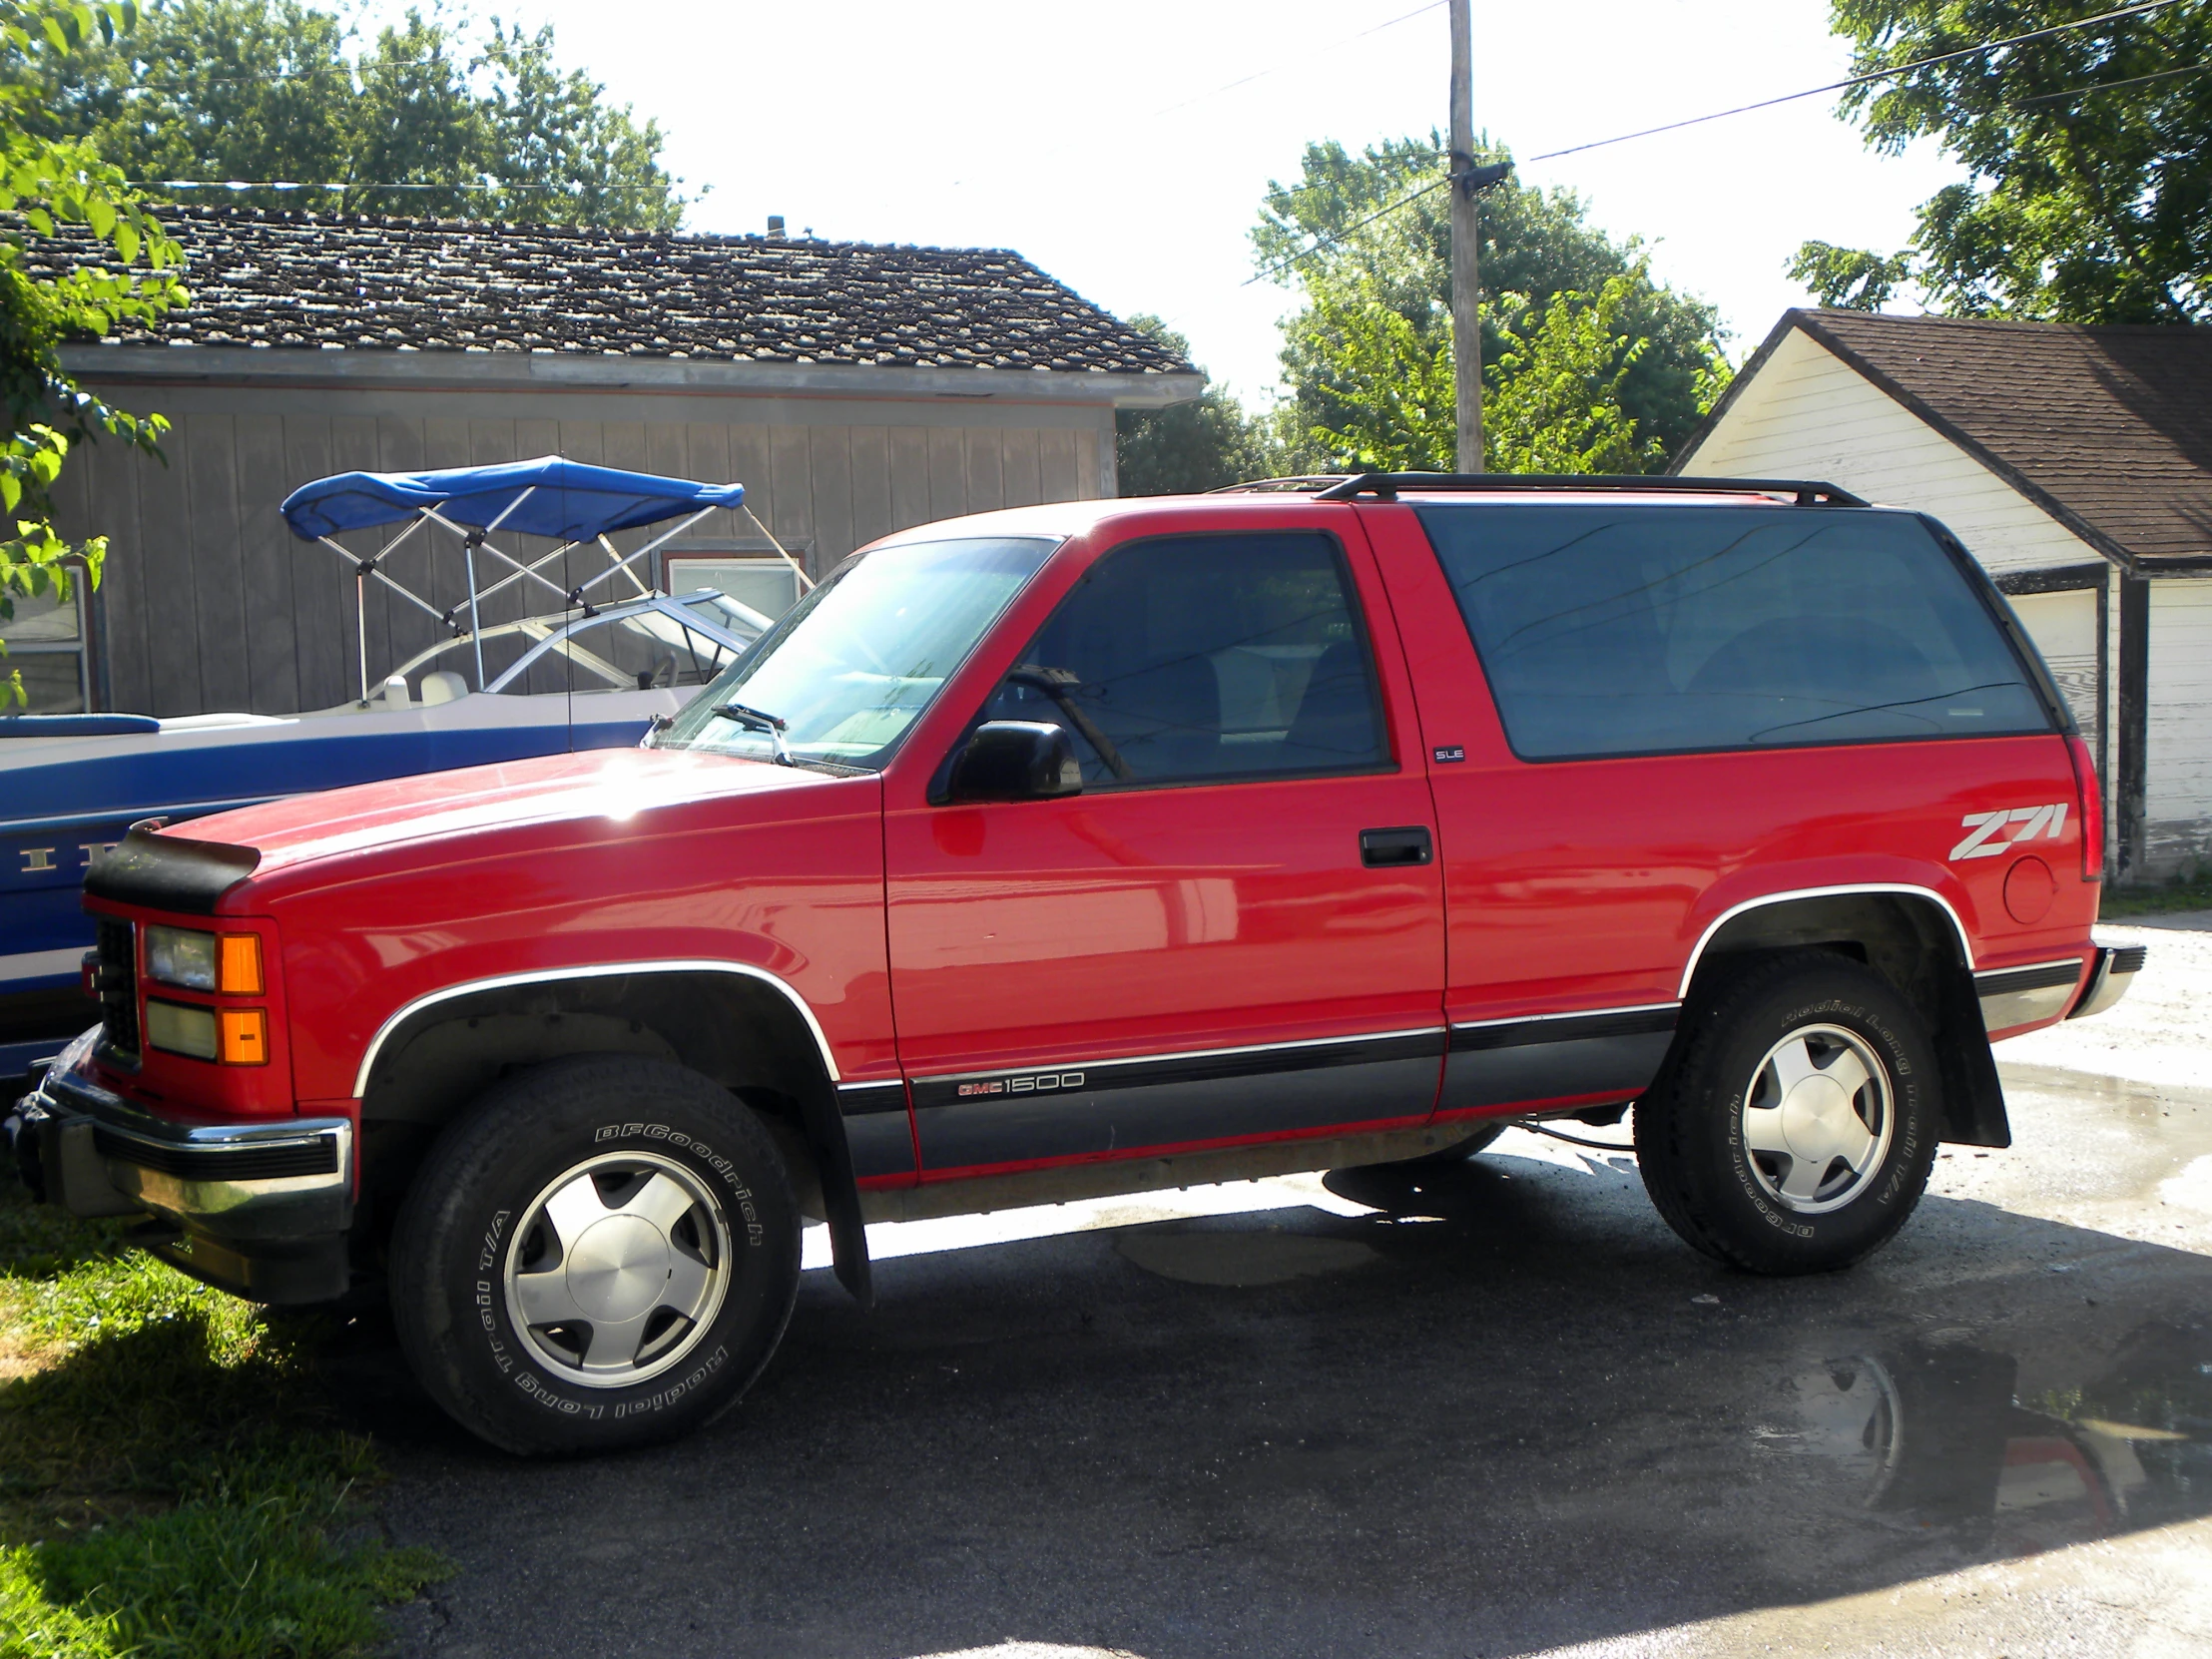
(1848, 277)
(2092, 199)
(1552, 401)
(1188, 448)
(1365, 386)
(277, 90)
(60, 187)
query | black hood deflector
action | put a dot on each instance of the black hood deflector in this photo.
(167, 873)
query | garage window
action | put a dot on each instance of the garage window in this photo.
(46, 646)
(1614, 629)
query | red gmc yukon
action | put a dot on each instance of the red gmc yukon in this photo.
(1111, 846)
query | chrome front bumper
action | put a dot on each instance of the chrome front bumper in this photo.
(261, 1209)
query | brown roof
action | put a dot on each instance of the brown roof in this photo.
(369, 283)
(2109, 430)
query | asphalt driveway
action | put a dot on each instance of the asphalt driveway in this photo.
(1496, 1411)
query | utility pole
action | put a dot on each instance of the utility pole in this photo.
(1466, 321)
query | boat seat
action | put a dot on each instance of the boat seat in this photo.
(442, 685)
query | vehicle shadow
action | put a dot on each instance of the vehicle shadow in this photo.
(1500, 1410)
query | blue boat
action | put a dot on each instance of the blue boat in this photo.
(592, 674)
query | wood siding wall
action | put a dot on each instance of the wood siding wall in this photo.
(2177, 815)
(1808, 415)
(209, 603)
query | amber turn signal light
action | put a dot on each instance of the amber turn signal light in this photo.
(240, 973)
(243, 1033)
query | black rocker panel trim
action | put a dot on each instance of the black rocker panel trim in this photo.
(1103, 1108)
(1611, 1052)
(2005, 981)
(876, 1129)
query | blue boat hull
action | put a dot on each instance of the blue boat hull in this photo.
(61, 803)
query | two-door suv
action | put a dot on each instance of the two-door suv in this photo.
(1102, 846)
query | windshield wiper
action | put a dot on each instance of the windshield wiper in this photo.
(755, 721)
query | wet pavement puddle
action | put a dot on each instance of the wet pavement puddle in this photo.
(1937, 1433)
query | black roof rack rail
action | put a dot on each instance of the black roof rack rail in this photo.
(1294, 484)
(1383, 486)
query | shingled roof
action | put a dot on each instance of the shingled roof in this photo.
(2109, 430)
(374, 283)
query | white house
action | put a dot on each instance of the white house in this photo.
(2076, 465)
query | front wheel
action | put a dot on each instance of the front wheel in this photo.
(1796, 1126)
(602, 1253)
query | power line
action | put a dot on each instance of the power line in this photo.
(1863, 79)
(1335, 236)
(1304, 56)
(2112, 86)
(291, 183)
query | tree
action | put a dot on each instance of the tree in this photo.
(1188, 447)
(2090, 153)
(1551, 395)
(45, 183)
(1850, 278)
(1535, 244)
(266, 91)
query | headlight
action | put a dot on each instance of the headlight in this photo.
(178, 956)
(180, 1030)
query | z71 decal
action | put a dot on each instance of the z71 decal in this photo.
(1988, 837)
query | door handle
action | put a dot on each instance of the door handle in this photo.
(1392, 848)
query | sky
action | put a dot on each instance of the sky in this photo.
(1125, 148)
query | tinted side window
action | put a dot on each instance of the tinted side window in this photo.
(1205, 657)
(1621, 630)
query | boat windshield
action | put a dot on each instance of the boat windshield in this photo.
(859, 660)
(682, 641)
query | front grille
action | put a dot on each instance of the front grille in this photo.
(242, 1162)
(115, 983)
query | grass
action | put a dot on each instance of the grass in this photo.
(170, 1483)
(2191, 893)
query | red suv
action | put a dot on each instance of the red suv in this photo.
(1110, 845)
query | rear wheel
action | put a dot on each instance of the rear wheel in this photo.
(602, 1253)
(1796, 1126)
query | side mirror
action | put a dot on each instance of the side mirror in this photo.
(1016, 759)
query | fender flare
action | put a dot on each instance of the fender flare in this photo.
(821, 1121)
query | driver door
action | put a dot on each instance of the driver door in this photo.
(1235, 931)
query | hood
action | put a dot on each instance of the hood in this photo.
(600, 790)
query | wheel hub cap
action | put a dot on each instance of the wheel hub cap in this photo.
(618, 1269)
(1818, 1118)
(1815, 1115)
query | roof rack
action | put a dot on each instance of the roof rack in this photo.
(1295, 484)
(1383, 486)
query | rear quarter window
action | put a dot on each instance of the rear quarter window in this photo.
(1635, 630)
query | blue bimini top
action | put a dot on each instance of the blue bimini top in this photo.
(565, 500)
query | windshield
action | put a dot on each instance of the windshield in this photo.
(858, 661)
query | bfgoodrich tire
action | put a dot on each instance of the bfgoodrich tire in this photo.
(602, 1253)
(1796, 1125)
